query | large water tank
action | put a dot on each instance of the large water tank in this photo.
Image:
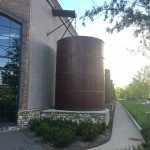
(107, 86)
(80, 74)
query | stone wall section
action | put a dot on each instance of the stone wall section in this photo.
(19, 10)
(75, 116)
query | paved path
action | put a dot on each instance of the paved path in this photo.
(124, 133)
(14, 140)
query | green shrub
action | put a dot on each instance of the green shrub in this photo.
(139, 147)
(146, 134)
(34, 124)
(88, 131)
(44, 130)
(101, 127)
(62, 136)
(61, 133)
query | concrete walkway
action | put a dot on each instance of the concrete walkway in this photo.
(124, 133)
(14, 140)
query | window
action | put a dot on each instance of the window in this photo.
(10, 43)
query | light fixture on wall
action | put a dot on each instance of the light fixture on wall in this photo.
(63, 13)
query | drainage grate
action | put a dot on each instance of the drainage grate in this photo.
(135, 139)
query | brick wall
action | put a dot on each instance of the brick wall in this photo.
(19, 10)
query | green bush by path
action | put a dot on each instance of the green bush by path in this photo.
(61, 132)
(88, 131)
(146, 134)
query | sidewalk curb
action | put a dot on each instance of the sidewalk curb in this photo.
(136, 124)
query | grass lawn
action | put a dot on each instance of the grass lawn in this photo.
(138, 112)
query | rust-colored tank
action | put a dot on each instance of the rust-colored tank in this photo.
(107, 86)
(80, 74)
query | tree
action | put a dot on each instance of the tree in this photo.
(113, 92)
(130, 13)
(139, 88)
(123, 14)
(10, 73)
(11, 77)
(120, 93)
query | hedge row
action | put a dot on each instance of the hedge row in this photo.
(61, 133)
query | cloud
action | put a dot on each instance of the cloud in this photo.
(4, 37)
(7, 36)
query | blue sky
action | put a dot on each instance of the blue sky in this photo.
(80, 6)
(122, 64)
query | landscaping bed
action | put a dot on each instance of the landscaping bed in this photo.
(63, 135)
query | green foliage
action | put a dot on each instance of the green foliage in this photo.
(113, 93)
(140, 84)
(139, 88)
(138, 112)
(88, 131)
(7, 93)
(122, 14)
(120, 93)
(146, 134)
(63, 136)
(101, 127)
(34, 124)
(42, 130)
(61, 133)
(130, 13)
(139, 147)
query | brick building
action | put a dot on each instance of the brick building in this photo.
(28, 55)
